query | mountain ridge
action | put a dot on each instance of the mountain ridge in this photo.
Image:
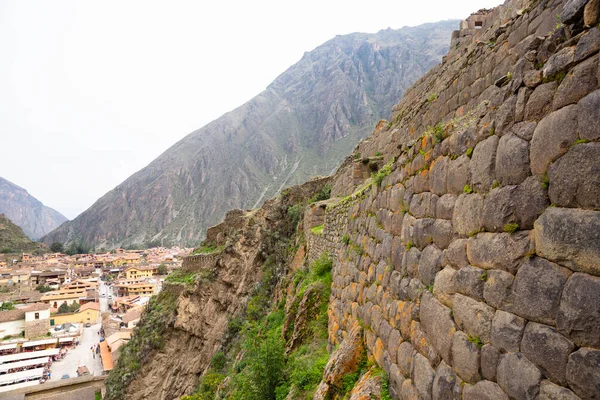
(301, 125)
(26, 211)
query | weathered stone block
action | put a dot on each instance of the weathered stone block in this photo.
(489, 362)
(540, 101)
(465, 358)
(583, 373)
(580, 81)
(445, 206)
(591, 13)
(473, 317)
(532, 200)
(524, 130)
(500, 207)
(438, 324)
(579, 313)
(551, 391)
(438, 179)
(429, 264)
(442, 233)
(559, 62)
(497, 288)
(469, 281)
(503, 251)
(423, 375)
(394, 341)
(589, 115)
(537, 290)
(423, 205)
(409, 392)
(395, 381)
(574, 178)
(456, 255)
(467, 213)
(553, 136)
(483, 164)
(507, 331)
(446, 385)
(444, 286)
(421, 342)
(570, 237)
(405, 356)
(588, 44)
(518, 376)
(547, 349)
(512, 160)
(484, 390)
(459, 174)
(573, 11)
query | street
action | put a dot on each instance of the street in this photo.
(80, 356)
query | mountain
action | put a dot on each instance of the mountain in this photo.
(13, 240)
(26, 211)
(302, 125)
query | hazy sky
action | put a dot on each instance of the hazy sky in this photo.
(92, 91)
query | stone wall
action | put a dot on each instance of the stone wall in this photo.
(200, 262)
(474, 267)
(36, 328)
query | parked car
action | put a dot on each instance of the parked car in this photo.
(65, 376)
(87, 324)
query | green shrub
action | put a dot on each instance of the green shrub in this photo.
(475, 340)
(469, 152)
(511, 228)
(377, 177)
(317, 230)
(323, 194)
(346, 239)
(467, 189)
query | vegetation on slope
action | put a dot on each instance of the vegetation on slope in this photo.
(13, 240)
(253, 363)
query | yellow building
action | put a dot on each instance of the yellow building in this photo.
(136, 289)
(89, 312)
(68, 296)
(140, 272)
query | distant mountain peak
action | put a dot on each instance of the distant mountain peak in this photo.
(26, 211)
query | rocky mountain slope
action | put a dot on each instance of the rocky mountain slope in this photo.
(302, 125)
(29, 213)
(13, 240)
(459, 252)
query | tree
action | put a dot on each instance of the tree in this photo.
(57, 247)
(66, 308)
(43, 288)
(162, 269)
(6, 306)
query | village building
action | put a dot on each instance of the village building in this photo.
(31, 321)
(89, 312)
(141, 272)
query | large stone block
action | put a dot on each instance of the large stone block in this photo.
(473, 317)
(537, 289)
(421, 342)
(559, 62)
(445, 206)
(547, 349)
(438, 178)
(489, 362)
(437, 322)
(570, 237)
(553, 136)
(540, 101)
(423, 205)
(405, 356)
(483, 164)
(484, 390)
(518, 376)
(466, 358)
(573, 11)
(575, 177)
(446, 385)
(503, 251)
(589, 115)
(512, 160)
(409, 392)
(497, 288)
(583, 373)
(579, 313)
(429, 264)
(423, 375)
(396, 380)
(580, 81)
(442, 233)
(469, 281)
(444, 286)
(456, 255)
(507, 331)
(467, 213)
(459, 174)
(551, 391)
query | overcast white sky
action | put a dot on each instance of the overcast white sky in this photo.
(92, 91)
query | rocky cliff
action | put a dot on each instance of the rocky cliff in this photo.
(13, 240)
(464, 234)
(302, 125)
(26, 211)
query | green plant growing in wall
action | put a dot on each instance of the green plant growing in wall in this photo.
(318, 230)
(469, 152)
(409, 245)
(378, 177)
(467, 189)
(432, 97)
(511, 228)
(475, 340)
(346, 239)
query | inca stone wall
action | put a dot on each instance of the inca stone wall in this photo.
(474, 267)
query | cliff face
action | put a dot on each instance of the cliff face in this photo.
(26, 211)
(302, 125)
(13, 240)
(465, 233)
